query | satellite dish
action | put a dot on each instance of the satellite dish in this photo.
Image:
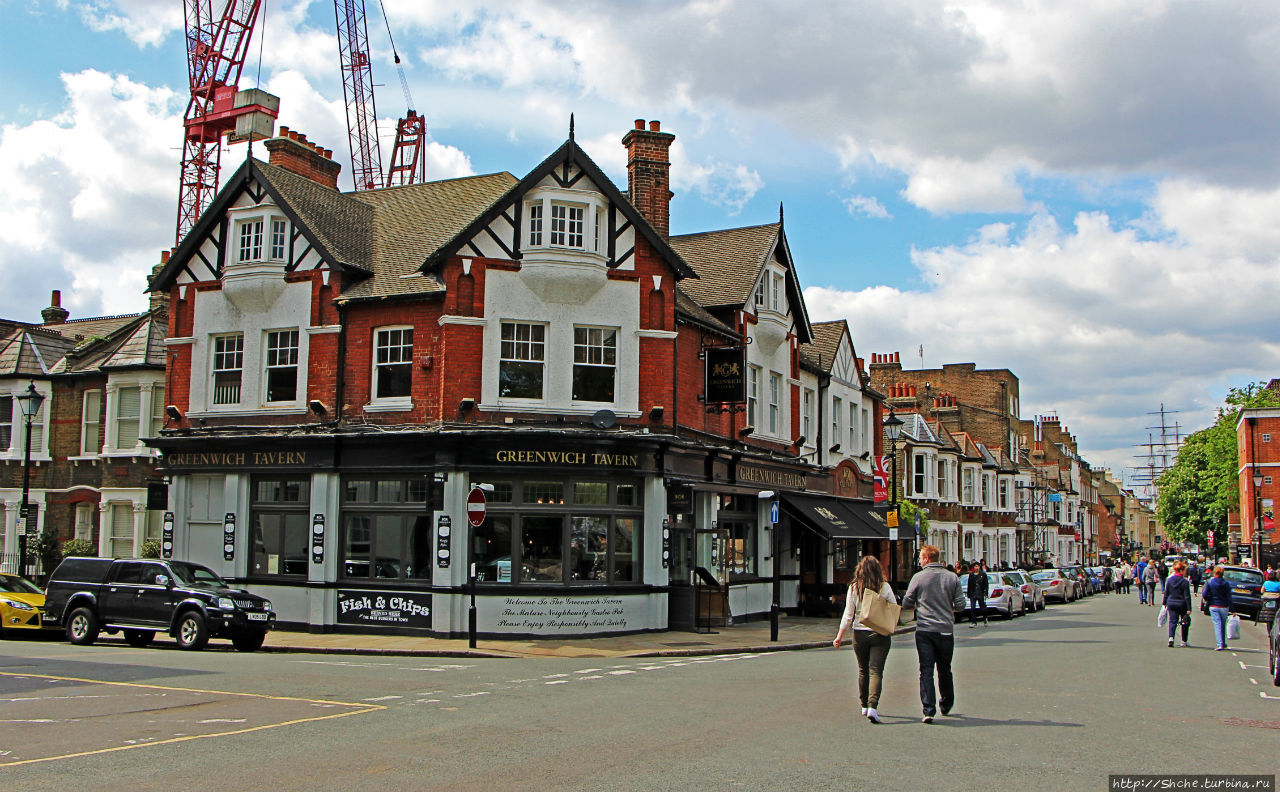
(604, 419)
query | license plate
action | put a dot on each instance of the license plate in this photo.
(257, 616)
(1241, 591)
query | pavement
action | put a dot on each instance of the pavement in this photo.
(794, 632)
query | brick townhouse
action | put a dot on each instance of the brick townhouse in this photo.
(351, 374)
(1258, 448)
(101, 383)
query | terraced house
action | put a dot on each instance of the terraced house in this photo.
(379, 400)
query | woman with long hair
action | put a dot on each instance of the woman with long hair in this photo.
(870, 647)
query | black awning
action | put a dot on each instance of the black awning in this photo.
(870, 516)
(831, 517)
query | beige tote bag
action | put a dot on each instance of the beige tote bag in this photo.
(877, 613)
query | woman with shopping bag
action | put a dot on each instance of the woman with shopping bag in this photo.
(1177, 601)
(865, 611)
(1217, 598)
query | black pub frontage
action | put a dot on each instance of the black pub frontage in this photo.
(567, 532)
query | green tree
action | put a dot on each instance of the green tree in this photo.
(1202, 488)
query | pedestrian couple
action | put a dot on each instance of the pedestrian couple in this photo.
(936, 595)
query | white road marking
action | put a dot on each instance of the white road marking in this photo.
(593, 676)
(554, 676)
(1265, 696)
(621, 672)
(1254, 681)
(557, 682)
(471, 695)
(383, 698)
(587, 671)
(1242, 665)
(224, 720)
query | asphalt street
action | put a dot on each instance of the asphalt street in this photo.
(1078, 692)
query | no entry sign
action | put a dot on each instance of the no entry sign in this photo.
(475, 507)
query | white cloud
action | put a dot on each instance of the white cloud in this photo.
(90, 196)
(145, 22)
(867, 205)
(1101, 323)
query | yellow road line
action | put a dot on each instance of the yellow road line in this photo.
(360, 709)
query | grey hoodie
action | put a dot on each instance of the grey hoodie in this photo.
(936, 595)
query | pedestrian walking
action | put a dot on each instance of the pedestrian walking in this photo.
(869, 647)
(1149, 578)
(1195, 577)
(1177, 598)
(1138, 575)
(1217, 598)
(1126, 577)
(977, 593)
(936, 595)
(1162, 572)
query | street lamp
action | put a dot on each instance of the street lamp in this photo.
(774, 607)
(893, 428)
(1257, 516)
(29, 402)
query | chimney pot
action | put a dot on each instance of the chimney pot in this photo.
(301, 138)
(639, 123)
(55, 299)
(649, 173)
(164, 256)
(310, 160)
(655, 126)
(284, 132)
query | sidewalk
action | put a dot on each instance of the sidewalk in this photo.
(794, 632)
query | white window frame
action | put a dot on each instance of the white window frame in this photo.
(920, 473)
(854, 445)
(775, 403)
(375, 364)
(217, 364)
(968, 485)
(260, 234)
(249, 240)
(807, 418)
(753, 395)
(278, 239)
(599, 355)
(268, 365)
(519, 345)
(91, 438)
(549, 213)
(18, 432)
(837, 407)
(132, 422)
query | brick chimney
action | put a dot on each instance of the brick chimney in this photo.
(159, 299)
(648, 173)
(55, 313)
(291, 151)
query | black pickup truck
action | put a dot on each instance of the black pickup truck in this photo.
(140, 596)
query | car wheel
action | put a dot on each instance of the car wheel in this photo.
(82, 627)
(192, 632)
(249, 641)
(139, 638)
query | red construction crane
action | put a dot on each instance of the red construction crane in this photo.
(407, 164)
(216, 48)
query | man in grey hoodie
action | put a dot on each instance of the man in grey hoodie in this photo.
(936, 595)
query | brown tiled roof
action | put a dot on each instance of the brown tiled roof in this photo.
(136, 345)
(339, 222)
(691, 311)
(81, 330)
(410, 223)
(728, 262)
(819, 355)
(32, 351)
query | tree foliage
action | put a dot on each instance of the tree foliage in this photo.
(1199, 491)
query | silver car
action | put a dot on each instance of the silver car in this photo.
(1032, 592)
(1057, 584)
(1004, 594)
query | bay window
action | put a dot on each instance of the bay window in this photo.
(127, 417)
(91, 423)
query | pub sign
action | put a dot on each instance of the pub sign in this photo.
(726, 374)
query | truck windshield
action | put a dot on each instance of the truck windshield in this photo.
(192, 574)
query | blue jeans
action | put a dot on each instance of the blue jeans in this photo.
(1220, 615)
(1142, 592)
(1177, 617)
(935, 650)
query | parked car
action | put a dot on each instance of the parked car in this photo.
(21, 604)
(1003, 594)
(1058, 585)
(141, 596)
(1270, 605)
(1096, 576)
(1077, 574)
(1032, 592)
(1246, 589)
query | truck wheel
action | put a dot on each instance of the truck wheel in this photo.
(139, 638)
(248, 641)
(82, 627)
(192, 632)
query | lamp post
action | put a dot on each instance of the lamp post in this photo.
(29, 401)
(1257, 517)
(893, 428)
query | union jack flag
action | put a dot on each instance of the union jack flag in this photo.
(880, 470)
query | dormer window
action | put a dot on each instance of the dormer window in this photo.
(566, 219)
(258, 234)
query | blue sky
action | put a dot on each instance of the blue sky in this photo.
(1085, 192)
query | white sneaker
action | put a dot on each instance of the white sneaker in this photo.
(1184, 643)
(873, 716)
(865, 711)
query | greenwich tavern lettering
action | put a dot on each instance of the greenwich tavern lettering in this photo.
(776, 478)
(578, 458)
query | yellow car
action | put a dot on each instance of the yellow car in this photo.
(21, 604)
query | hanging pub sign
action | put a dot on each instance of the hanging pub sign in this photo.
(157, 495)
(726, 374)
(384, 608)
(679, 499)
